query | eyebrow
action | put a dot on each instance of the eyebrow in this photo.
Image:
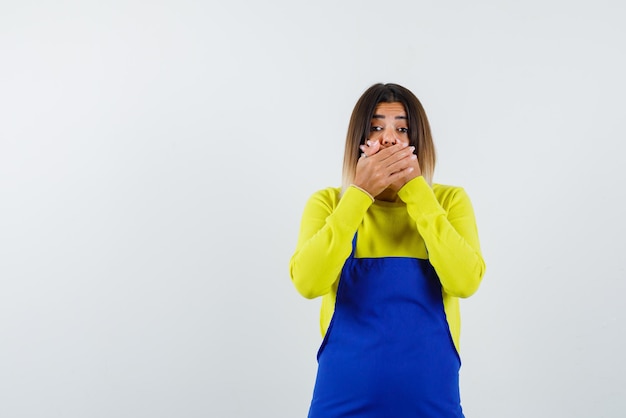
(383, 117)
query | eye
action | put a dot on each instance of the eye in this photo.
(403, 130)
(375, 129)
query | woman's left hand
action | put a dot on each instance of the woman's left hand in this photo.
(417, 171)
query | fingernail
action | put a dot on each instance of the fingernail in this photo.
(412, 148)
(369, 143)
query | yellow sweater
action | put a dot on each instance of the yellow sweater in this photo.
(429, 223)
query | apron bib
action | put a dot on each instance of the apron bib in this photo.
(388, 351)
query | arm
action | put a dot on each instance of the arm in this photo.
(450, 235)
(325, 241)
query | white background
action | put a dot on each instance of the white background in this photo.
(155, 158)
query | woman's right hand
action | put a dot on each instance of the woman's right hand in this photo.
(378, 168)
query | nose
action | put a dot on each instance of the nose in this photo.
(388, 138)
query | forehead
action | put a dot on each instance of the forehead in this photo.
(395, 108)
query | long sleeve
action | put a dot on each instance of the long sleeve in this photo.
(450, 234)
(325, 240)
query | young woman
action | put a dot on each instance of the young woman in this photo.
(390, 253)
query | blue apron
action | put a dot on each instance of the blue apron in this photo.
(388, 351)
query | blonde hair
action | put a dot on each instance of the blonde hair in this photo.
(359, 128)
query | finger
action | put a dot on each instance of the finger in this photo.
(374, 146)
(370, 148)
(391, 151)
(406, 153)
(398, 175)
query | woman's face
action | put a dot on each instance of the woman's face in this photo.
(389, 125)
